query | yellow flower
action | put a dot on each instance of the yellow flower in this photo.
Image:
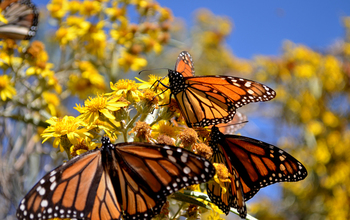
(158, 87)
(44, 71)
(330, 119)
(222, 176)
(124, 32)
(134, 62)
(35, 49)
(127, 88)
(79, 148)
(58, 8)
(108, 127)
(152, 43)
(65, 35)
(304, 70)
(74, 6)
(66, 132)
(7, 60)
(152, 81)
(115, 13)
(96, 39)
(166, 128)
(165, 14)
(88, 83)
(99, 106)
(2, 18)
(78, 26)
(6, 89)
(213, 214)
(54, 83)
(90, 8)
(315, 127)
(52, 102)
(84, 145)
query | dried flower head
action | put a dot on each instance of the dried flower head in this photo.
(188, 137)
(203, 150)
(164, 139)
(142, 131)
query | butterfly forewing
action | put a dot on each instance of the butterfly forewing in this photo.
(253, 164)
(66, 192)
(150, 172)
(184, 64)
(261, 164)
(240, 91)
(201, 105)
(22, 19)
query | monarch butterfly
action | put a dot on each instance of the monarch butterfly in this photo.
(22, 19)
(253, 164)
(211, 100)
(97, 185)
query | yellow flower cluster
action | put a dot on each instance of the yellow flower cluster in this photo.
(28, 82)
(111, 112)
(103, 30)
(313, 95)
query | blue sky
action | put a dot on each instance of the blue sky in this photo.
(262, 26)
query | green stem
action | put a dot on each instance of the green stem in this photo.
(155, 121)
(178, 211)
(132, 121)
(125, 136)
(26, 120)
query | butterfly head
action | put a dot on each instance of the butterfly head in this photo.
(106, 142)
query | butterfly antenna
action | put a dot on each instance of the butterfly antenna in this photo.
(228, 125)
(153, 70)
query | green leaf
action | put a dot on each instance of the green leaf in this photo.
(189, 199)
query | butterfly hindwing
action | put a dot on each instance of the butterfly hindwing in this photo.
(150, 172)
(22, 19)
(233, 195)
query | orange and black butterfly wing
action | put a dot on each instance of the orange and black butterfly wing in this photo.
(233, 197)
(148, 173)
(240, 91)
(77, 189)
(260, 164)
(22, 19)
(253, 164)
(184, 64)
(200, 104)
(211, 100)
